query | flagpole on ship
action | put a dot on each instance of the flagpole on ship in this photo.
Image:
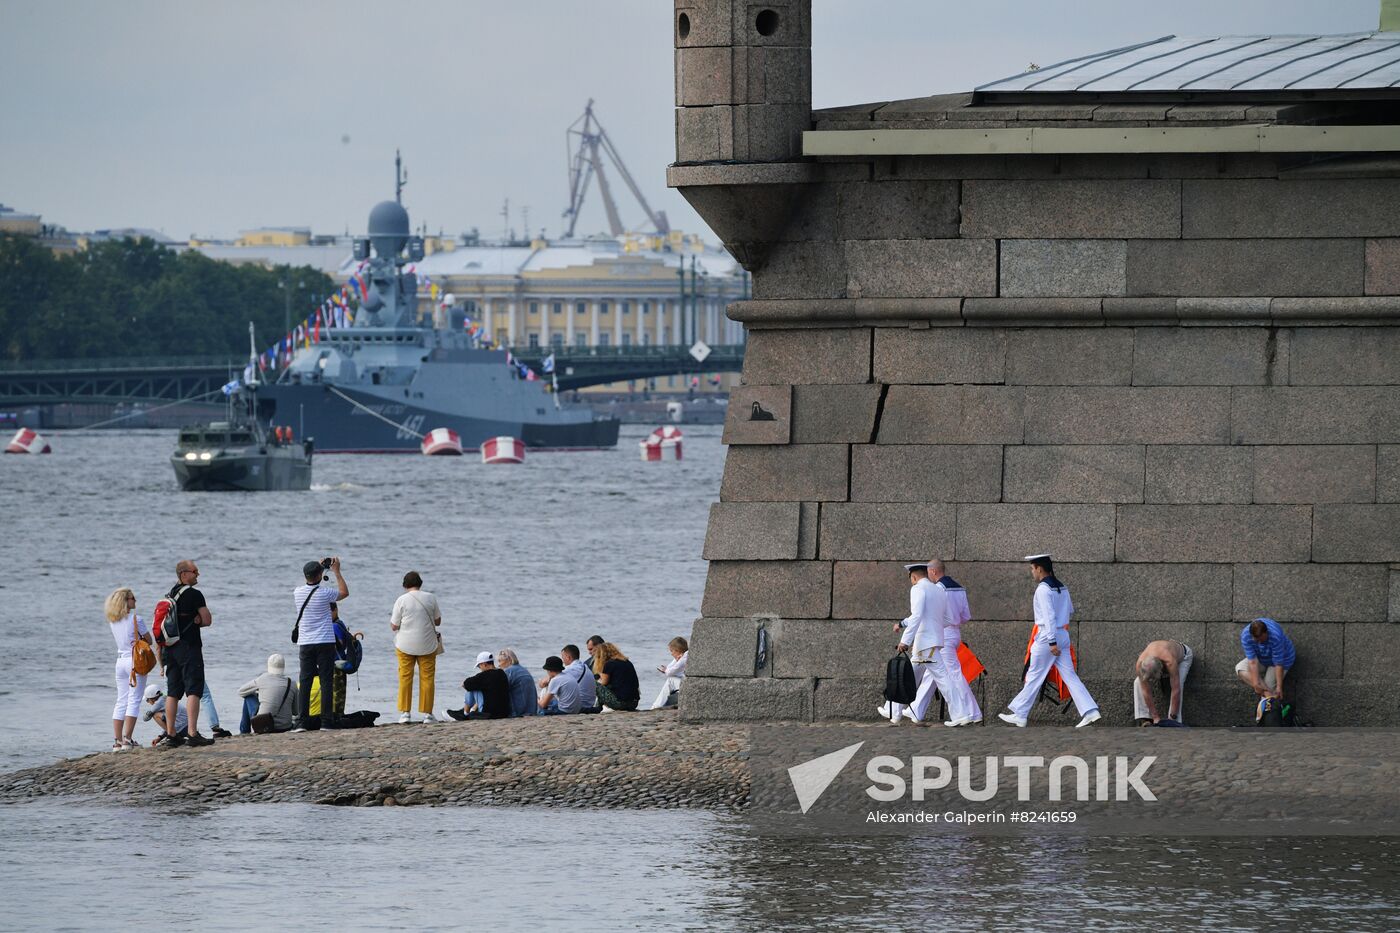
(250, 381)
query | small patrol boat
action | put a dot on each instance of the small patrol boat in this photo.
(239, 453)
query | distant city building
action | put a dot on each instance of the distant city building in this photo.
(324, 254)
(591, 293)
(18, 222)
(275, 236)
(127, 233)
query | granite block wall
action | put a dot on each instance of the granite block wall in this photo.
(1181, 375)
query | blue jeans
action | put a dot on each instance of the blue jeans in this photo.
(474, 698)
(553, 709)
(250, 709)
(206, 702)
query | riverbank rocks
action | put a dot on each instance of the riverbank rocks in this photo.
(648, 761)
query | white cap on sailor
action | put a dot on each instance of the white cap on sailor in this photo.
(910, 568)
(1035, 556)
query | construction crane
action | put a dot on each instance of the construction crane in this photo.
(585, 161)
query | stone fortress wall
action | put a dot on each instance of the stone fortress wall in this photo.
(1178, 373)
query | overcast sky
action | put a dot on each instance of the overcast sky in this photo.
(208, 118)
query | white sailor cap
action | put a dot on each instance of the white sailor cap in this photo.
(910, 568)
(1035, 556)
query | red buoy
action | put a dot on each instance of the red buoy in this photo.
(28, 441)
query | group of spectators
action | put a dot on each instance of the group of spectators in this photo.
(503, 688)
(603, 681)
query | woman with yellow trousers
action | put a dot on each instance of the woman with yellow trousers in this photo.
(415, 622)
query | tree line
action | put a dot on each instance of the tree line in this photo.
(138, 298)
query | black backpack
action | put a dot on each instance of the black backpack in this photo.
(900, 686)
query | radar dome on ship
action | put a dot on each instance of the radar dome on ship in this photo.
(388, 227)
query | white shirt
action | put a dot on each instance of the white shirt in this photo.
(959, 613)
(126, 637)
(316, 627)
(928, 614)
(1052, 609)
(677, 666)
(579, 673)
(414, 613)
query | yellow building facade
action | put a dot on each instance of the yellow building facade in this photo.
(594, 293)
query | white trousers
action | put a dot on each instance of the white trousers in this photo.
(671, 685)
(961, 703)
(931, 675)
(128, 697)
(1140, 700)
(1041, 662)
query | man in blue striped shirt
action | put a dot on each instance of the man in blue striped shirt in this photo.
(1268, 656)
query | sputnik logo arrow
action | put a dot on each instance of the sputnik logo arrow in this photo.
(811, 778)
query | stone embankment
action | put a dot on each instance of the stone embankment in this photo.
(620, 760)
(655, 761)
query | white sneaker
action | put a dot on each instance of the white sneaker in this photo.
(405, 718)
(884, 710)
(299, 729)
(608, 709)
(909, 716)
(954, 723)
(428, 719)
(1089, 719)
(1013, 719)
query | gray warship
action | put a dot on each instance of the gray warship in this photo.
(382, 383)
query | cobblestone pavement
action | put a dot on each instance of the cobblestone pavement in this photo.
(651, 760)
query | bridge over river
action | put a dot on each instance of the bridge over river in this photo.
(176, 379)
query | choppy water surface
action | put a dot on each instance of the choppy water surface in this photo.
(253, 867)
(529, 557)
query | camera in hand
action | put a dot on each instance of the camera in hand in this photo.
(325, 563)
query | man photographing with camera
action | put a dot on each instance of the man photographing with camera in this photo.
(314, 634)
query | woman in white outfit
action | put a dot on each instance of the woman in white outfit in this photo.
(675, 672)
(124, 623)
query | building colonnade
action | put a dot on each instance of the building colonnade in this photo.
(526, 320)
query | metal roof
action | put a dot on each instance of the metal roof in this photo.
(1358, 61)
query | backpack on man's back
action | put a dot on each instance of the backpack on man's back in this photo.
(165, 623)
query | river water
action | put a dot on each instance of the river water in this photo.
(529, 557)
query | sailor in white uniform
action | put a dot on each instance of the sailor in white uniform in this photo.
(962, 705)
(923, 639)
(1052, 608)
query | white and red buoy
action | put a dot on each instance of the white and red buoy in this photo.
(667, 433)
(503, 450)
(442, 442)
(28, 441)
(655, 448)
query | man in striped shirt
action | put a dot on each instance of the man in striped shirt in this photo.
(1268, 656)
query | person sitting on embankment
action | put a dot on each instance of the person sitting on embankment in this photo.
(268, 699)
(561, 694)
(523, 698)
(155, 711)
(488, 691)
(674, 673)
(581, 674)
(617, 679)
